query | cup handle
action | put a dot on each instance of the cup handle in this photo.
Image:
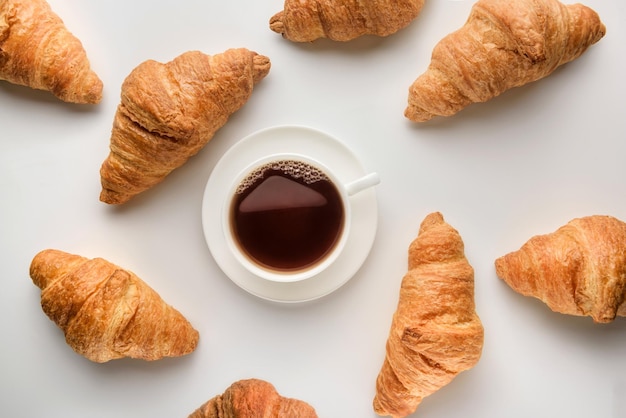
(360, 184)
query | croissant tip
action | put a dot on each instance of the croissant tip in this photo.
(44, 266)
(276, 23)
(500, 267)
(380, 410)
(432, 219)
(94, 94)
(91, 91)
(415, 114)
(262, 67)
(112, 197)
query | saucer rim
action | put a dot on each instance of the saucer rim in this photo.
(332, 153)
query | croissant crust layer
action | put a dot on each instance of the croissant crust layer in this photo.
(503, 44)
(107, 312)
(37, 51)
(253, 398)
(435, 332)
(308, 20)
(579, 269)
(169, 112)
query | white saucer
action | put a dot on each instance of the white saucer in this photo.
(330, 152)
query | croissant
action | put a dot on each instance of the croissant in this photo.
(253, 398)
(579, 269)
(308, 20)
(107, 312)
(504, 44)
(37, 50)
(435, 332)
(168, 112)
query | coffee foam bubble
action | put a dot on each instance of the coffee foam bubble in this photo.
(296, 169)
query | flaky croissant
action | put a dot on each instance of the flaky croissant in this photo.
(579, 269)
(168, 112)
(504, 44)
(37, 50)
(308, 20)
(253, 398)
(435, 332)
(107, 312)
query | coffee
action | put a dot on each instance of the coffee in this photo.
(286, 215)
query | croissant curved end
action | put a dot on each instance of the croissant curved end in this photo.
(262, 67)
(417, 114)
(39, 277)
(92, 94)
(114, 198)
(49, 264)
(276, 23)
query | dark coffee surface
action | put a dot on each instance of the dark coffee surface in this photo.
(286, 220)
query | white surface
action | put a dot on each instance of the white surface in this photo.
(500, 172)
(318, 146)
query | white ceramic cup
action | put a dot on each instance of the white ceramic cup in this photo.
(285, 276)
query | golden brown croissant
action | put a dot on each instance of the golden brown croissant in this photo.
(107, 312)
(308, 20)
(253, 398)
(168, 112)
(37, 50)
(435, 332)
(579, 269)
(503, 44)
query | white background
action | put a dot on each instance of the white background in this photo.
(500, 172)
